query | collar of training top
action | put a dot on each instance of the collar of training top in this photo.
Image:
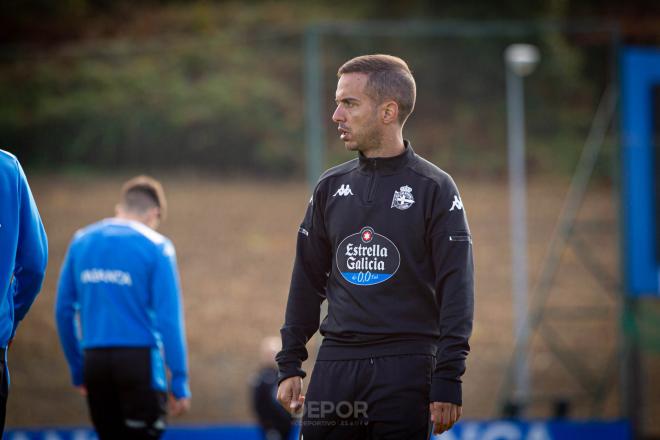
(387, 164)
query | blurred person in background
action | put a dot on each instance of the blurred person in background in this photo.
(23, 259)
(274, 421)
(386, 241)
(120, 318)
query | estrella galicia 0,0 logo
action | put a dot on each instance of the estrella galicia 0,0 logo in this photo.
(367, 258)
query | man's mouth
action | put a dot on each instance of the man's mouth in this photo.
(344, 134)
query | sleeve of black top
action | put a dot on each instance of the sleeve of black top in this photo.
(451, 244)
(307, 292)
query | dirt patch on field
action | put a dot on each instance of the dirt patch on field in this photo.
(235, 243)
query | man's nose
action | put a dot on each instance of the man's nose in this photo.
(338, 115)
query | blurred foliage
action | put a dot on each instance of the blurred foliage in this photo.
(203, 103)
(219, 85)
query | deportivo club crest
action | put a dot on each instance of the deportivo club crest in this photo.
(403, 199)
(366, 258)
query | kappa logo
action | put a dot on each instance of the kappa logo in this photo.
(456, 204)
(403, 199)
(344, 190)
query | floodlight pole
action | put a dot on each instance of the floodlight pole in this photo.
(520, 61)
(313, 98)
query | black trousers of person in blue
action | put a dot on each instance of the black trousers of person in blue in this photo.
(122, 401)
(381, 398)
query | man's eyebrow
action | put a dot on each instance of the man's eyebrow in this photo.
(347, 99)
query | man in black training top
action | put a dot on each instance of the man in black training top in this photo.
(385, 240)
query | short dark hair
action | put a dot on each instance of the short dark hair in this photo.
(142, 193)
(389, 78)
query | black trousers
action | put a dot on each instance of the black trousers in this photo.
(122, 402)
(4, 391)
(385, 398)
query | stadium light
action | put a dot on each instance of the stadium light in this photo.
(521, 60)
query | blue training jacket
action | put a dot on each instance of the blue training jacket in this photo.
(120, 279)
(23, 247)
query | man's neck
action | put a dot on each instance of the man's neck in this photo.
(390, 146)
(131, 217)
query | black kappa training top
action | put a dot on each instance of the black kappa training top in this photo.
(386, 242)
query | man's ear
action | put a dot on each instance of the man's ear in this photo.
(390, 112)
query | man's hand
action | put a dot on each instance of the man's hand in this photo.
(178, 407)
(82, 390)
(288, 394)
(444, 415)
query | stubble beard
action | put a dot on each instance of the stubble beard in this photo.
(371, 140)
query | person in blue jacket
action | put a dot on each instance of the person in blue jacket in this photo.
(23, 258)
(120, 318)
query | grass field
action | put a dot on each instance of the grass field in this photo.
(235, 242)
